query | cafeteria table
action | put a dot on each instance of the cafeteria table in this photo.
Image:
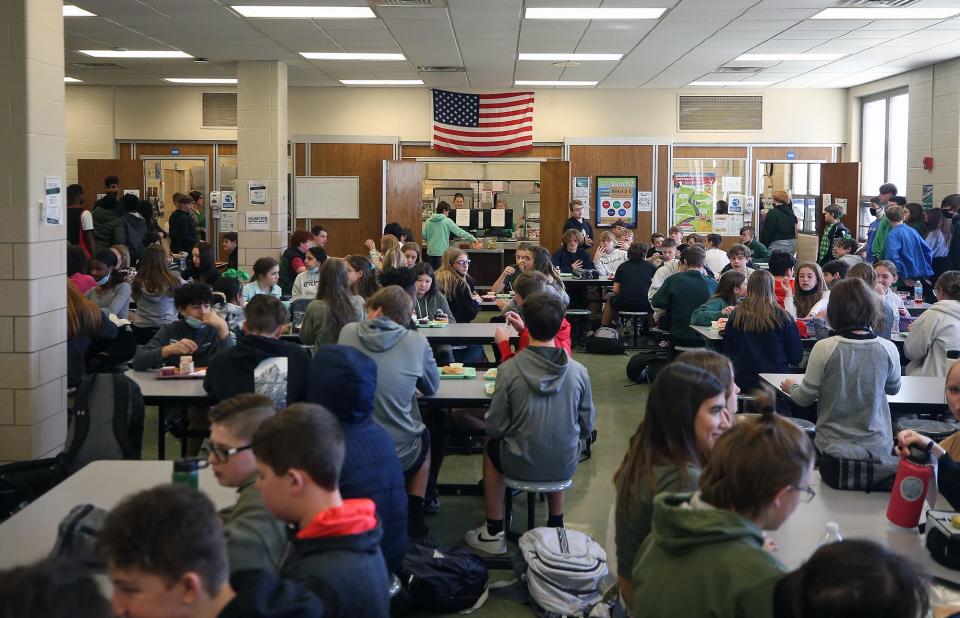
(917, 393)
(168, 393)
(462, 334)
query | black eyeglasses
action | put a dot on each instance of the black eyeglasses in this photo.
(220, 454)
(808, 493)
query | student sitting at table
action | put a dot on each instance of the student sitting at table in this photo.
(429, 302)
(153, 290)
(392, 258)
(607, 258)
(292, 260)
(850, 375)
(229, 246)
(124, 266)
(199, 332)
(685, 413)
(460, 290)
(757, 249)
(228, 303)
(781, 266)
(853, 578)
(732, 287)
(834, 271)
(344, 381)
(305, 285)
(845, 250)
(760, 336)
(936, 331)
(526, 285)
(112, 292)
(334, 306)
(524, 262)
(53, 588)
(865, 273)
(362, 276)
(260, 362)
(656, 241)
(77, 267)
(667, 265)
(676, 233)
(712, 541)
(336, 551)
(624, 238)
(739, 257)
(202, 268)
(812, 295)
(887, 277)
(631, 284)
(387, 242)
(716, 258)
(255, 538)
(571, 256)
(266, 272)
(542, 407)
(542, 263)
(411, 254)
(405, 365)
(681, 294)
(166, 555)
(88, 328)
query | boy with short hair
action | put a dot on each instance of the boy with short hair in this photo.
(166, 555)
(682, 293)
(336, 551)
(757, 248)
(833, 271)
(669, 265)
(781, 266)
(845, 250)
(229, 246)
(260, 362)
(833, 230)
(319, 237)
(255, 538)
(542, 407)
(716, 258)
(579, 223)
(524, 286)
(676, 233)
(739, 256)
(656, 241)
(907, 250)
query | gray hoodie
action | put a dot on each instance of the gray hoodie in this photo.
(405, 364)
(541, 408)
(932, 335)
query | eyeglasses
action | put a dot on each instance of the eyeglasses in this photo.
(220, 454)
(463, 262)
(809, 493)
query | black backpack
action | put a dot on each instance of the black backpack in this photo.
(643, 367)
(605, 340)
(443, 581)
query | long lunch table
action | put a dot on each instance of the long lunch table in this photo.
(921, 392)
(714, 339)
(168, 393)
(457, 334)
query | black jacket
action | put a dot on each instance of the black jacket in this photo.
(183, 233)
(209, 276)
(208, 341)
(564, 260)
(462, 305)
(231, 370)
(261, 595)
(136, 227)
(573, 224)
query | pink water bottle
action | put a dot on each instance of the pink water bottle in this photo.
(914, 475)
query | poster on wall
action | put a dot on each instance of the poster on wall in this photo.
(926, 199)
(257, 220)
(581, 187)
(257, 193)
(228, 222)
(735, 205)
(228, 200)
(693, 201)
(645, 201)
(616, 199)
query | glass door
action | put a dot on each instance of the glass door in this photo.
(801, 180)
(166, 176)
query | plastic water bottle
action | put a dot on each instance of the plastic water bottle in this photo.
(918, 293)
(830, 535)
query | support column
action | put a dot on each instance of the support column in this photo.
(262, 155)
(33, 317)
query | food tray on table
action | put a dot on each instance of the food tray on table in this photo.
(432, 324)
(468, 373)
(490, 374)
(198, 374)
(489, 387)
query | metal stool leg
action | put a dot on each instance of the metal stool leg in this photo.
(531, 510)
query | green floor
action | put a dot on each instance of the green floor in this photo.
(588, 505)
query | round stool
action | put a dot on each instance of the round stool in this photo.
(532, 489)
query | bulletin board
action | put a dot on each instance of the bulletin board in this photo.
(616, 199)
(327, 197)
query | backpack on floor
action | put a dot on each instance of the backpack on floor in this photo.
(604, 340)
(643, 367)
(22, 482)
(77, 535)
(106, 421)
(443, 581)
(564, 571)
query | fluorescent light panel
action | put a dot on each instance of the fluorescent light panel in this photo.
(743, 84)
(592, 13)
(569, 57)
(889, 13)
(72, 80)
(130, 53)
(201, 80)
(350, 56)
(304, 12)
(527, 82)
(381, 82)
(71, 10)
(787, 57)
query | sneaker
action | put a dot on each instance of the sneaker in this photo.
(480, 539)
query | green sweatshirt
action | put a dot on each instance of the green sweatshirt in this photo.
(679, 296)
(758, 250)
(437, 230)
(255, 538)
(709, 311)
(703, 561)
(879, 239)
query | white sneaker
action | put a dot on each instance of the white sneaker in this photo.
(479, 538)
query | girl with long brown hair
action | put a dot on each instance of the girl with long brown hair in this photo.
(334, 306)
(153, 290)
(361, 275)
(810, 300)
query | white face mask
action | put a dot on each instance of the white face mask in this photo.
(313, 270)
(105, 279)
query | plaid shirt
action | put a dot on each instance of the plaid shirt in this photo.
(828, 238)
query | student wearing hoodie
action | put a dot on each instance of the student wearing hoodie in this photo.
(682, 293)
(528, 284)
(344, 381)
(732, 287)
(305, 285)
(757, 249)
(166, 555)
(907, 250)
(571, 256)
(436, 233)
(936, 331)
(779, 231)
(183, 230)
(260, 362)
(335, 551)
(134, 226)
(542, 407)
(108, 227)
(429, 300)
(705, 556)
(255, 537)
(405, 365)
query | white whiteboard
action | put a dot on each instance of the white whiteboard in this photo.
(327, 197)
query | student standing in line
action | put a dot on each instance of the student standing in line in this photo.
(292, 260)
(112, 292)
(229, 246)
(950, 205)
(201, 266)
(883, 229)
(579, 223)
(436, 233)
(266, 273)
(757, 248)
(681, 294)
(779, 231)
(631, 284)
(732, 287)
(79, 221)
(135, 228)
(108, 228)
(812, 295)
(77, 267)
(876, 211)
(907, 250)
(833, 231)
(305, 285)
(938, 233)
(153, 290)
(361, 276)
(183, 230)
(716, 258)
(333, 308)
(850, 376)
(834, 271)
(936, 331)
(198, 213)
(914, 217)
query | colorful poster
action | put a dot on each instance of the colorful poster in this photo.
(581, 187)
(926, 199)
(616, 199)
(693, 201)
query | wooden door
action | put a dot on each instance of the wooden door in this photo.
(841, 180)
(627, 160)
(404, 186)
(92, 172)
(554, 202)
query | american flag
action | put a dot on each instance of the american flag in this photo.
(482, 124)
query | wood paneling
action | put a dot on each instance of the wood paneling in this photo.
(413, 151)
(710, 152)
(125, 150)
(226, 150)
(841, 180)
(554, 202)
(630, 160)
(365, 161)
(301, 163)
(404, 187)
(664, 189)
(92, 172)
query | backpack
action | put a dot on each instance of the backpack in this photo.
(23, 482)
(604, 340)
(443, 581)
(564, 571)
(77, 535)
(858, 474)
(643, 367)
(106, 421)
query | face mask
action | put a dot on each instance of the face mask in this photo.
(314, 270)
(105, 279)
(193, 322)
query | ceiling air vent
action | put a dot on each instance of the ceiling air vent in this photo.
(97, 66)
(874, 4)
(739, 69)
(219, 110)
(721, 113)
(441, 70)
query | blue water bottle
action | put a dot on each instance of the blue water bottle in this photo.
(918, 292)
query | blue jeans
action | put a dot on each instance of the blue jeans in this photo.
(470, 354)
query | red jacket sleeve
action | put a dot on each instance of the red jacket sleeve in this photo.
(296, 264)
(505, 351)
(562, 340)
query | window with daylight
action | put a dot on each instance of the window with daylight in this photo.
(883, 141)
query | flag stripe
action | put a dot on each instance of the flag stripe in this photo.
(460, 132)
(505, 95)
(473, 141)
(506, 103)
(485, 124)
(507, 111)
(490, 153)
(504, 122)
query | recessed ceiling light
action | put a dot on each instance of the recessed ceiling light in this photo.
(130, 53)
(350, 56)
(72, 80)
(381, 82)
(569, 57)
(887, 13)
(592, 13)
(201, 80)
(528, 82)
(769, 57)
(743, 84)
(70, 10)
(305, 12)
